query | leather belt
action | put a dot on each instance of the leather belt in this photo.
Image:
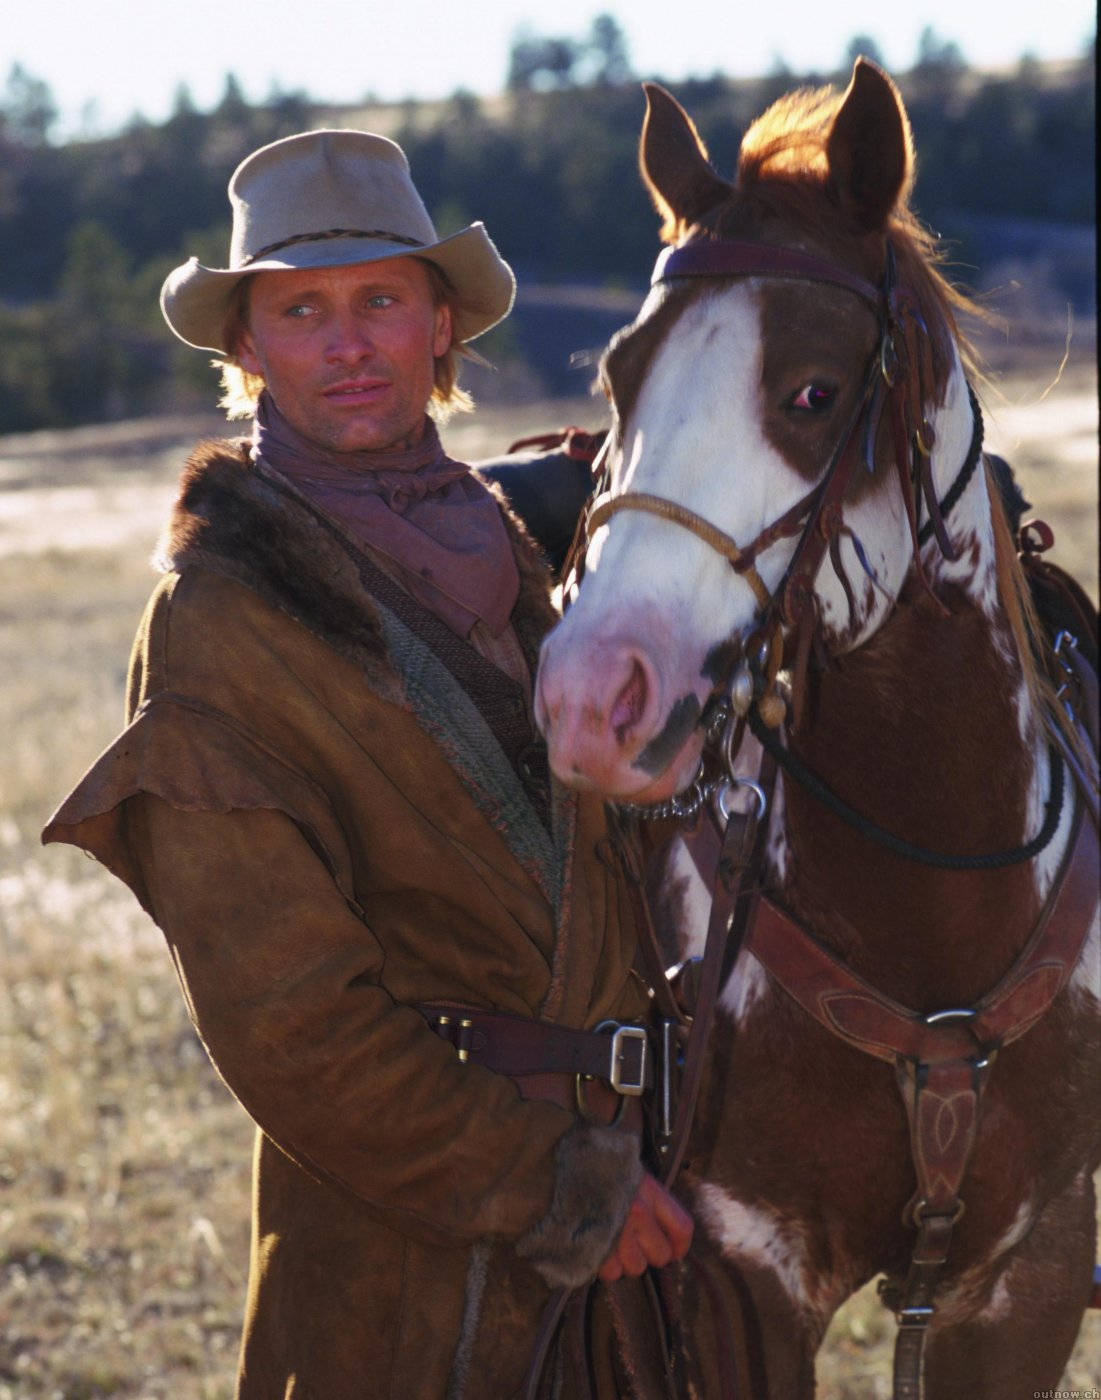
(594, 1099)
(617, 1055)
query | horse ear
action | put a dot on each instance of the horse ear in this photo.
(869, 148)
(674, 164)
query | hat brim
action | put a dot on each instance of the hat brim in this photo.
(195, 300)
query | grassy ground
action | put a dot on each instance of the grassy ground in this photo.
(124, 1164)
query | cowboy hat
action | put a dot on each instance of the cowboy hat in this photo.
(328, 199)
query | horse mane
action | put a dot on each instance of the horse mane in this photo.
(783, 178)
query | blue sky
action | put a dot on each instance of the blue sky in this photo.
(106, 59)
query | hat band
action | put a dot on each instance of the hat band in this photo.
(379, 233)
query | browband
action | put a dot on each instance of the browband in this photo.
(731, 258)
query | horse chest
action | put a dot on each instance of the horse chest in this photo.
(802, 1155)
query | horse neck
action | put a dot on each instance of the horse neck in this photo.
(927, 729)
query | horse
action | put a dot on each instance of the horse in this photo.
(797, 607)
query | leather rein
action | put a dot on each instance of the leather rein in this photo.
(940, 1059)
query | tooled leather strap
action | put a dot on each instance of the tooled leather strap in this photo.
(942, 1062)
(866, 1019)
(942, 1108)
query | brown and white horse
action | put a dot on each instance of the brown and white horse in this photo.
(748, 394)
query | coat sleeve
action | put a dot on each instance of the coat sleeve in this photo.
(281, 979)
(240, 857)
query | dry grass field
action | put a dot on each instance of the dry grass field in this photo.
(124, 1163)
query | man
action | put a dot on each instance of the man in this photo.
(331, 798)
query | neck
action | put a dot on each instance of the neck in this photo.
(437, 526)
(410, 440)
(280, 444)
(927, 731)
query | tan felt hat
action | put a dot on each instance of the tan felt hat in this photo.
(327, 199)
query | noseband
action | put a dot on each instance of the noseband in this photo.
(898, 373)
(608, 504)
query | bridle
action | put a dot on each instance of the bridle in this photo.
(941, 1059)
(897, 376)
(753, 693)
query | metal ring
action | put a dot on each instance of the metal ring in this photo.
(603, 1027)
(964, 1013)
(725, 790)
(886, 346)
(918, 1217)
(587, 1113)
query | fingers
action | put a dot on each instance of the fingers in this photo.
(625, 1260)
(671, 1216)
(657, 1230)
(645, 1241)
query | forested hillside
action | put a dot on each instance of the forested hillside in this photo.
(89, 228)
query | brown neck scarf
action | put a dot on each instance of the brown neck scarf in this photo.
(439, 528)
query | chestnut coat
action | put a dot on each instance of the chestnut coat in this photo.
(335, 810)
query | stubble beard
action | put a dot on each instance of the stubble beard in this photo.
(395, 432)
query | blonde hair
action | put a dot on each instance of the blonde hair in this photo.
(241, 389)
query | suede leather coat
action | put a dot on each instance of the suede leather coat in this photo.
(335, 810)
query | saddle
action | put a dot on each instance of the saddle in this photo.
(547, 480)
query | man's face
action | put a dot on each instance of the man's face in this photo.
(347, 353)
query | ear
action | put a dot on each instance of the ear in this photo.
(674, 165)
(244, 351)
(441, 330)
(869, 148)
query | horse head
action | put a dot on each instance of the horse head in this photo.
(796, 344)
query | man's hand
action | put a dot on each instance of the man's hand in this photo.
(657, 1230)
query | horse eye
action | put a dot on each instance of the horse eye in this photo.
(813, 398)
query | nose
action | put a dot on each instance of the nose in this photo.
(597, 707)
(349, 340)
(629, 705)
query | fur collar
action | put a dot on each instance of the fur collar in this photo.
(252, 525)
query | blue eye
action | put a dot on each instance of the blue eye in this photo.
(813, 398)
(381, 300)
(298, 310)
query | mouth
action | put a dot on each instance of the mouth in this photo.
(355, 392)
(676, 777)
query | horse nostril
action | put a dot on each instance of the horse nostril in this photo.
(630, 704)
